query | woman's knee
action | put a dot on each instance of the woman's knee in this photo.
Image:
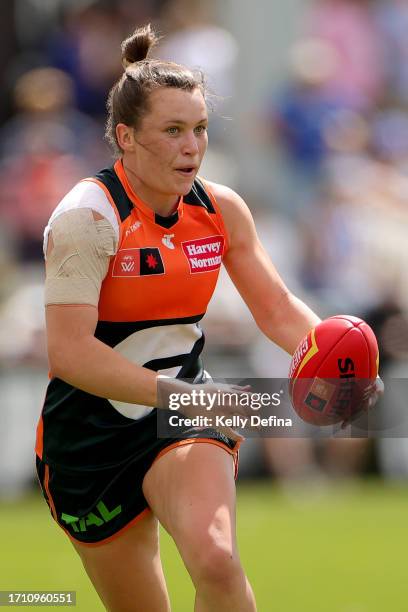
(213, 560)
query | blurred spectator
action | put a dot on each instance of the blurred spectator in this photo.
(47, 119)
(86, 48)
(195, 40)
(22, 327)
(86, 43)
(370, 194)
(301, 115)
(390, 134)
(48, 144)
(23, 376)
(392, 20)
(8, 44)
(192, 38)
(390, 324)
(350, 28)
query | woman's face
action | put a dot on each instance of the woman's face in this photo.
(169, 146)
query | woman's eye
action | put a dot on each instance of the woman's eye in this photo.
(173, 130)
(200, 129)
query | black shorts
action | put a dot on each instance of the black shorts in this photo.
(94, 506)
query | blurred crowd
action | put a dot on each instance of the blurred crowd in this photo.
(335, 223)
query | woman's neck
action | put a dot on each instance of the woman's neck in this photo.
(162, 204)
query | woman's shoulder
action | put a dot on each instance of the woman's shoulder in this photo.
(236, 215)
(222, 193)
(231, 204)
(86, 194)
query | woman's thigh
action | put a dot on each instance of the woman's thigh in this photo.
(126, 571)
(191, 490)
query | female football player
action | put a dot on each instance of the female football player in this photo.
(132, 259)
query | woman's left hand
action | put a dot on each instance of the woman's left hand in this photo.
(371, 395)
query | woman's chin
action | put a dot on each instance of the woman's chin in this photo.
(185, 183)
(184, 189)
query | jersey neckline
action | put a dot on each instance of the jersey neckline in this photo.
(166, 222)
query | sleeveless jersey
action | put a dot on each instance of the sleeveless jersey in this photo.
(156, 290)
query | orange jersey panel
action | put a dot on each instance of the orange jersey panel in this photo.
(163, 272)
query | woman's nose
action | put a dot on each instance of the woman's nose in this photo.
(190, 145)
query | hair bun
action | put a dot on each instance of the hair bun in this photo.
(137, 46)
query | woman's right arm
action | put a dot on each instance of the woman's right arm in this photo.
(77, 357)
(79, 245)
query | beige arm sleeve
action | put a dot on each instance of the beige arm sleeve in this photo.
(79, 250)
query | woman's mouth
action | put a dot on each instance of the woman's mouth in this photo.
(187, 172)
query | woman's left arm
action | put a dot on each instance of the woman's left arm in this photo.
(279, 314)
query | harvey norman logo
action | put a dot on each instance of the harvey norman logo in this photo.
(204, 254)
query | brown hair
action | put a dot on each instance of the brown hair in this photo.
(128, 99)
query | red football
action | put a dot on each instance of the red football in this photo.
(331, 368)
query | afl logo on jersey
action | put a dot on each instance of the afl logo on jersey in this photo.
(138, 262)
(204, 254)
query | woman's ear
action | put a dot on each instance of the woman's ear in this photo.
(125, 137)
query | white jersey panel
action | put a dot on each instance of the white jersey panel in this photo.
(85, 194)
(155, 343)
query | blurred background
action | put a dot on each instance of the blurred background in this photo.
(310, 125)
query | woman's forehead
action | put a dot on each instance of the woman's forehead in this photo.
(172, 104)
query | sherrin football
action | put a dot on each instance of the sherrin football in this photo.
(331, 368)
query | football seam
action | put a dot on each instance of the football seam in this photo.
(347, 318)
(334, 347)
(357, 326)
(368, 351)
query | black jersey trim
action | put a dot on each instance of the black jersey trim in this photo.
(193, 360)
(112, 182)
(199, 197)
(187, 361)
(113, 332)
(166, 222)
(166, 362)
(196, 197)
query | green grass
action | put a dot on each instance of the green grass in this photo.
(343, 550)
